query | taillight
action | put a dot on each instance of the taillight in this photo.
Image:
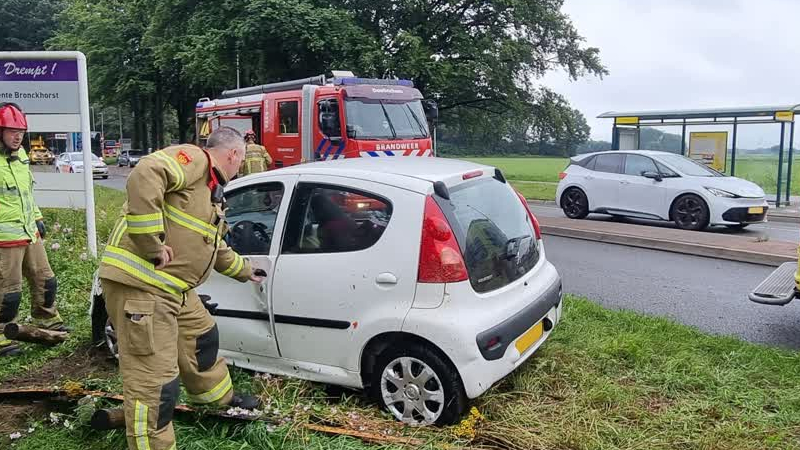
(562, 175)
(536, 229)
(471, 175)
(440, 259)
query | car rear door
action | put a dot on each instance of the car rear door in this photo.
(347, 269)
(256, 213)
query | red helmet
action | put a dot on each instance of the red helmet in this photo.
(12, 117)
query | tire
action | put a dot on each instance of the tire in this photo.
(449, 400)
(574, 203)
(690, 212)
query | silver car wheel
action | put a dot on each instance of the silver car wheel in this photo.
(412, 391)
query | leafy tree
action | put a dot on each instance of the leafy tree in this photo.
(27, 24)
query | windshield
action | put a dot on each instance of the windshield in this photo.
(382, 119)
(689, 167)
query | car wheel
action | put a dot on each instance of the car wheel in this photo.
(575, 203)
(418, 386)
(690, 212)
(103, 333)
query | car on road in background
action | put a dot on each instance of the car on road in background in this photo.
(130, 158)
(72, 162)
(422, 281)
(660, 186)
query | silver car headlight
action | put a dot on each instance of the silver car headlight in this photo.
(721, 193)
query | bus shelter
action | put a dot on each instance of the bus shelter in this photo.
(627, 126)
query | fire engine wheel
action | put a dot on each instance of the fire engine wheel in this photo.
(418, 386)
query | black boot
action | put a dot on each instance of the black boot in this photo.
(9, 348)
(244, 401)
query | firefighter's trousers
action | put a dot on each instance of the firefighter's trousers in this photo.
(29, 261)
(162, 338)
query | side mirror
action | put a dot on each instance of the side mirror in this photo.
(652, 175)
(431, 109)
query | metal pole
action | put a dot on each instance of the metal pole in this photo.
(780, 165)
(102, 127)
(88, 182)
(789, 170)
(119, 108)
(683, 138)
(94, 122)
(733, 150)
(434, 139)
(238, 85)
(614, 137)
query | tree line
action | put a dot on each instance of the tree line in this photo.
(481, 60)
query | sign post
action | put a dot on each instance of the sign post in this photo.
(53, 91)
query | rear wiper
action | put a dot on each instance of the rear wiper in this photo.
(513, 247)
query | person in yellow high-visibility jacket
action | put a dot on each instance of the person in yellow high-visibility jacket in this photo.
(22, 252)
(256, 157)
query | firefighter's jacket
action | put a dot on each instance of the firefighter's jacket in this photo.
(18, 210)
(256, 159)
(169, 203)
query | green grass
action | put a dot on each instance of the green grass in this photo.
(527, 169)
(536, 190)
(605, 380)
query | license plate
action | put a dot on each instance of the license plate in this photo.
(755, 210)
(529, 338)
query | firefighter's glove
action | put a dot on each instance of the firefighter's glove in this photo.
(41, 228)
(211, 307)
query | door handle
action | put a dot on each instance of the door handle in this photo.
(386, 278)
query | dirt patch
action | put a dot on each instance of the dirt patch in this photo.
(17, 415)
(83, 363)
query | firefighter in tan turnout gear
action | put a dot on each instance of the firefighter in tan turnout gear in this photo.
(165, 244)
(22, 252)
(256, 158)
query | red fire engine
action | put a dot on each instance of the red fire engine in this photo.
(322, 118)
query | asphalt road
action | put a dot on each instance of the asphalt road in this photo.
(710, 294)
(778, 231)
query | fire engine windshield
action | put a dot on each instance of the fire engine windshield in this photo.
(382, 119)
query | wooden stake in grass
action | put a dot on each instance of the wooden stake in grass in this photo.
(17, 332)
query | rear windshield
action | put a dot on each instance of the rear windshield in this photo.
(494, 232)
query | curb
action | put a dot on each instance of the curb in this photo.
(783, 218)
(541, 202)
(731, 254)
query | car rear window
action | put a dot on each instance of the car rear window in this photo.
(494, 233)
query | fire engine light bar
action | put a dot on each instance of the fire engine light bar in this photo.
(352, 81)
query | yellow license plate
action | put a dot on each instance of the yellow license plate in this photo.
(755, 210)
(529, 338)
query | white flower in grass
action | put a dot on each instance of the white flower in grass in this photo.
(55, 246)
(15, 435)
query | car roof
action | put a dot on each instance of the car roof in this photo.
(640, 152)
(414, 173)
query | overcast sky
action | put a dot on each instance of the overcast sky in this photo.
(680, 54)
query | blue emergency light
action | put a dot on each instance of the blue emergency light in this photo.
(353, 81)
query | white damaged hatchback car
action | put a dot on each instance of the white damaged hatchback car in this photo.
(420, 280)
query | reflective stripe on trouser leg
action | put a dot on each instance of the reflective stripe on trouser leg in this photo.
(149, 381)
(197, 349)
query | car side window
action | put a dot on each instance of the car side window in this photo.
(666, 171)
(608, 162)
(288, 117)
(251, 215)
(638, 165)
(334, 219)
